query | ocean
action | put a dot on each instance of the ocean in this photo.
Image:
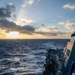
(26, 57)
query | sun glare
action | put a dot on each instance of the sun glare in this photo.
(13, 35)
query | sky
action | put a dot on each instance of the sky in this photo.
(37, 19)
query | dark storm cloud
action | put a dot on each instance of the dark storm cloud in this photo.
(6, 12)
(52, 33)
(10, 26)
(27, 29)
(47, 33)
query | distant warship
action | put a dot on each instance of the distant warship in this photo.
(64, 62)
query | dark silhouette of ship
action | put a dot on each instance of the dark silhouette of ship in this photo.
(65, 60)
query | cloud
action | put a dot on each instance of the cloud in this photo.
(25, 2)
(61, 23)
(67, 24)
(5, 12)
(51, 34)
(43, 24)
(52, 31)
(30, 1)
(23, 6)
(54, 20)
(24, 21)
(6, 24)
(69, 5)
(53, 28)
(48, 31)
(28, 29)
(10, 26)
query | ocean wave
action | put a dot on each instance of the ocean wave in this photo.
(25, 57)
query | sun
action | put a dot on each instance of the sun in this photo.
(13, 34)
